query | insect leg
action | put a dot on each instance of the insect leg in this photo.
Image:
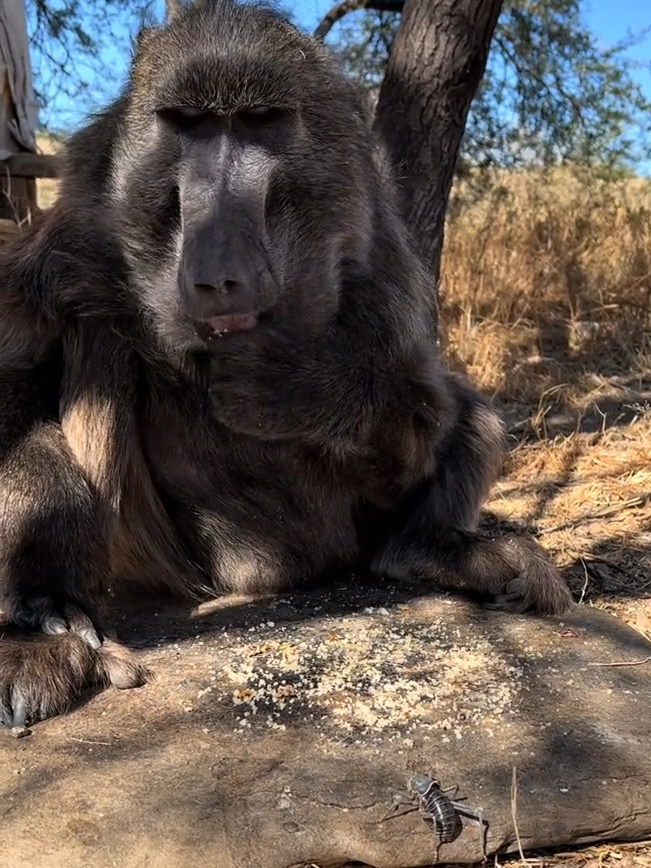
(474, 818)
(400, 801)
(472, 815)
(482, 835)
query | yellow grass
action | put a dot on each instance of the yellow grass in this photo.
(546, 296)
(547, 286)
(546, 302)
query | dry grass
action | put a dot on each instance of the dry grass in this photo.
(46, 189)
(548, 279)
(547, 304)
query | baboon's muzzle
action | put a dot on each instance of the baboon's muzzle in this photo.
(224, 272)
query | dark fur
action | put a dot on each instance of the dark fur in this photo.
(134, 451)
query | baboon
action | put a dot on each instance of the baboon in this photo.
(218, 364)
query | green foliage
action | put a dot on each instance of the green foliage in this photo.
(551, 93)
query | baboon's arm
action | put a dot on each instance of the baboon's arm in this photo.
(329, 390)
(60, 480)
(285, 387)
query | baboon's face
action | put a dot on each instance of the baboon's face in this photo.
(245, 168)
(227, 275)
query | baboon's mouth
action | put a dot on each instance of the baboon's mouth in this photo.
(237, 322)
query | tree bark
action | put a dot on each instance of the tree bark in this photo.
(437, 60)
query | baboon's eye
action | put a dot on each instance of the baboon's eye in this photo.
(261, 115)
(190, 111)
(184, 117)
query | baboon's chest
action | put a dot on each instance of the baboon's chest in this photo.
(253, 482)
(254, 514)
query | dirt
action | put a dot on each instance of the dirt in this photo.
(276, 732)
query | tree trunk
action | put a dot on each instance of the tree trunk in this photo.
(437, 61)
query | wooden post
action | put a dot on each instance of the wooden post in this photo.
(17, 192)
(17, 195)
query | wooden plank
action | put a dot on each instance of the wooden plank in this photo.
(27, 165)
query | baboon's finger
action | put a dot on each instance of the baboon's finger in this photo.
(19, 707)
(73, 620)
(54, 625)
(504, 602)
(80, 624)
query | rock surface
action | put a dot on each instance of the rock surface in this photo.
(275, 733)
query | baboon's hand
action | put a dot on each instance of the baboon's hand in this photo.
(539, 587)
(276, 384)
(251, 375)
(42, 675)
(52, 618)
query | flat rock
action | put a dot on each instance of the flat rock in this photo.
(275, 733)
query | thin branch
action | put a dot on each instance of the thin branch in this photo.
(514, 810)
(345, 6)
(640, 500)
(624, 663)
(87, 741)
(544, 85)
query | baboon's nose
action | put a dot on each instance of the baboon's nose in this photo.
(223, 287)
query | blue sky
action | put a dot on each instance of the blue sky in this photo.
(610, 21)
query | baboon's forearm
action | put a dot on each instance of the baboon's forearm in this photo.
(316, 391)
(51, 540)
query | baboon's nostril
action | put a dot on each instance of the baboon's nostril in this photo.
(225, 287)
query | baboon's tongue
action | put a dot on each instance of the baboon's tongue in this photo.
(240, 322)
